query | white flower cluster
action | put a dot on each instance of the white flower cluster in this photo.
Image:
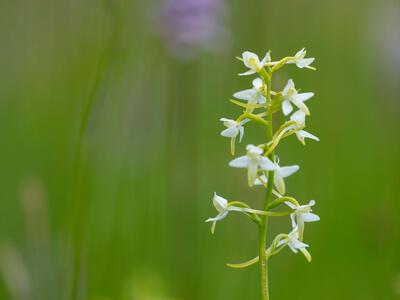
(260, 160)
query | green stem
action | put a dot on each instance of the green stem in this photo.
(268, 196)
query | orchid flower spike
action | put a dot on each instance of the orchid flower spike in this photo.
(253, 160)
(292, 240)
(302, 214)
(300, 118)
(233, 129)
(280, 174)
(254, 95)
(252, 62)
(301, 61)
(291, 96)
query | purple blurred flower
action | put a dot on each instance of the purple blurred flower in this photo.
(189, 26)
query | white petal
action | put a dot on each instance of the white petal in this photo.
(240, 162)
(220, 203)
(260, 99)
(301, 53)
(293, 219)
(299, 117)
(245, 94)
(249, 72)
(225, 120)
(286, 107)
(257, 83)
(289, 85)
(230, 132)
(287, 171)
(218, 217)
(305, 62)
(306, 134)
(292, 248)
(298, 245)
(304, 96)
(247, 55)
(279, 184)
(241, 133)
(266, 59)
(301, 105)
(266, 164)
(252, 172)
(254, 149)
(310, 217)
(244, 121)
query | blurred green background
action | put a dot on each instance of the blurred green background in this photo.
(111, 150)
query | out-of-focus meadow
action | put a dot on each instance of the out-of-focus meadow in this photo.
(110, 149)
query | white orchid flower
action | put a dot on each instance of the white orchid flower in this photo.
(253, 160)
(291, 96)
(301, 61)
(223, 208)
(252, 61)
(300, 118)
(280, 174)
(254, 95)
(233, 129)
(292, 240)
(302, 214)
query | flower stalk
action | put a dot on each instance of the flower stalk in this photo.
(261, 162)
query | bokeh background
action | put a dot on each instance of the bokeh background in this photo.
(110, 148)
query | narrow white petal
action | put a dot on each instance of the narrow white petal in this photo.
(289, 85)
(252, 172)
(266, 59)
(308, 135)
(286, 107)
(304, 96)
(218, 217)
(279, 184)
(241, 133)
(287, 171)
(300, 105)
(293, 219)
(249, 72)
(301, 53)
(225, 120)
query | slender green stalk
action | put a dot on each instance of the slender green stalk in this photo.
(268, 195)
